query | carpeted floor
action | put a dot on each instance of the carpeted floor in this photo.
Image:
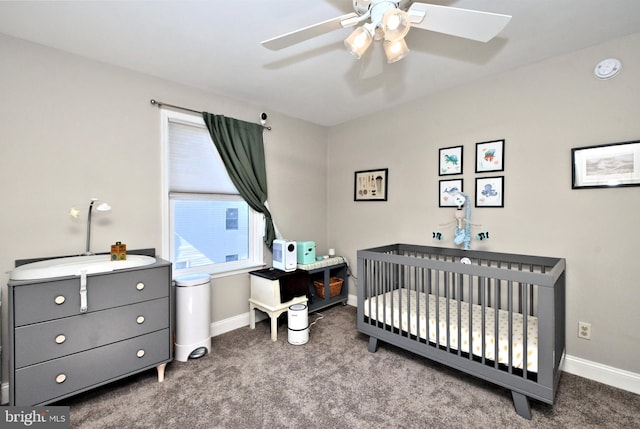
(248, 381)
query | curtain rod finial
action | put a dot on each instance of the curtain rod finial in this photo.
(153, 101)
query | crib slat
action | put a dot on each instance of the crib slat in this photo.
(510, 328)
(525, 331)
(496, 324)
(437, 287)
(483, 345)
(447, 312)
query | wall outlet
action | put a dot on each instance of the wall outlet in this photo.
(584, 330)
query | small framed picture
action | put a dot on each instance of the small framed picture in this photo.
(490, 156)
(450, 161)
(606, 166)
(448, 191)
(490, 191)
(371, 185)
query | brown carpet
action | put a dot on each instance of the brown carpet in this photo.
(248, 381)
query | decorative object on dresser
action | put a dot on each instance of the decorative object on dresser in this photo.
(58, 348)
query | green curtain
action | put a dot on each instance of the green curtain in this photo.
(241, 148)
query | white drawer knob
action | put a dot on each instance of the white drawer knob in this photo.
(59, 299)
(60, 339)
(140, 353)
(140, 320)
(61, 378)
(140, 286)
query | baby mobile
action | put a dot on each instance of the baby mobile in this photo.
(462, 230)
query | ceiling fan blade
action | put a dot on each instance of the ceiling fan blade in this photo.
(470, 24)
(306, 33)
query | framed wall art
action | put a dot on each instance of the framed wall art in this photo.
(606, 166)
(447, 191)
(371, 185)
(490, 191)
(450, 161)
(490, 156)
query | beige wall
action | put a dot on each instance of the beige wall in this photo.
(542, 111)
(73, 129)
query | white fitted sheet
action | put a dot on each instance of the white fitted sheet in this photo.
(408, 321)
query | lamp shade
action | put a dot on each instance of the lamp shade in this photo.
(359, 40)
(395, 24)
(104, 207)
(395, 51)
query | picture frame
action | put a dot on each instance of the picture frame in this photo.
(450, 160)
(447, 190)
(606, 166)
(371, 185)
(490, 156)
(490, 191)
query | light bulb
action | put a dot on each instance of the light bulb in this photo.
(393, 22)
(359, 40)
(74, 212)
(395, 51)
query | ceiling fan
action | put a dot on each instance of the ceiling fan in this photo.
(390, 22)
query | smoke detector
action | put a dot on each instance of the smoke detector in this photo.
(606, 69)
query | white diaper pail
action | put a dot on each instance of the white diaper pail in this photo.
(298, 323)
(193, 316)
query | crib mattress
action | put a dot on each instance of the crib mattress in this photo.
(407, 320)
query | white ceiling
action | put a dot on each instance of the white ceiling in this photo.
(215, 45)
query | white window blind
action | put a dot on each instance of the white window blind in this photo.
(196, 166)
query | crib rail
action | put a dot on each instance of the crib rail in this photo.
(501, 317)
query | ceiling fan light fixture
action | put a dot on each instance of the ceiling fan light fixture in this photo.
(359, 40)
(395, 50)
(395, 24)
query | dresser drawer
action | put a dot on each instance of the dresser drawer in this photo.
(49, 381)
(48, 340)
(38, 302)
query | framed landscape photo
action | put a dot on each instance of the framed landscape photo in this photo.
(606, 166)
(371, 185)
(490, 191)
(448, 189)
(490, 156)
(450, 161)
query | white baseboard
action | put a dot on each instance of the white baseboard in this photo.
(352, 301)
(232, 323)
(609, 375)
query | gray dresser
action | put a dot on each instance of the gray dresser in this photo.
(56, 351)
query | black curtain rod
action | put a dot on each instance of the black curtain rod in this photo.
(160, 104)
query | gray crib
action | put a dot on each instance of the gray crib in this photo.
(496, 316)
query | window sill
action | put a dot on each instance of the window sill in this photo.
(246, 268)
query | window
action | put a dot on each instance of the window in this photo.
(208, 227)
(232, 218)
